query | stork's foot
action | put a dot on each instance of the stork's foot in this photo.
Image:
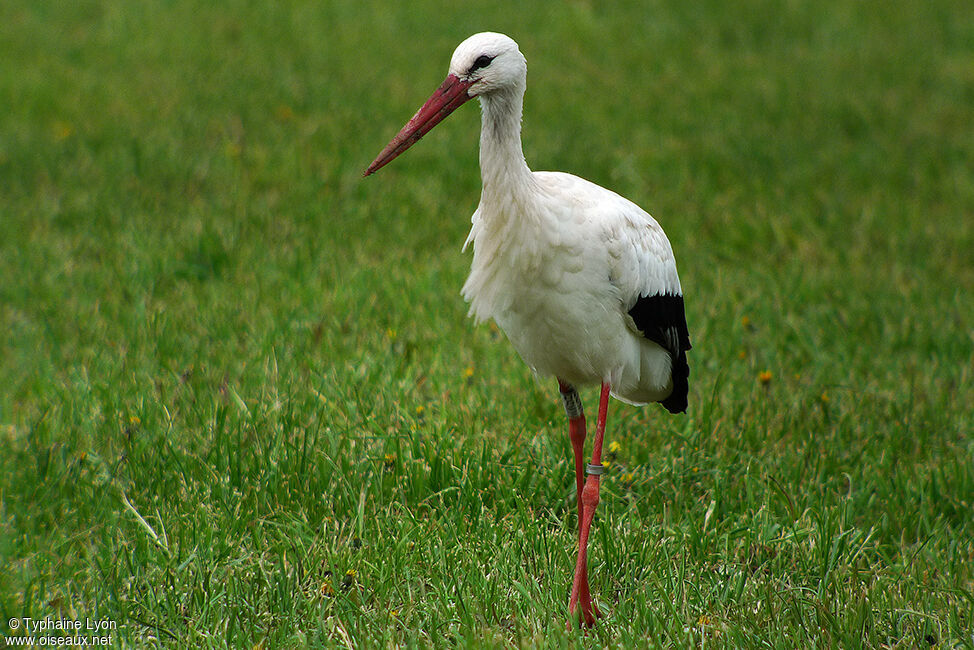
(585, 613)
(583, 609)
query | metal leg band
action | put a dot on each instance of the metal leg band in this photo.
(595, 470)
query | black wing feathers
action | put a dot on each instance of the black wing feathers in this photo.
(662, 319)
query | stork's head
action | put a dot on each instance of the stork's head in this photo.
(483, 64)
(488, 62)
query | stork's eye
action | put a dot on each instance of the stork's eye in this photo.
(482, 62)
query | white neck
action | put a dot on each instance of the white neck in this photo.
(502, 166)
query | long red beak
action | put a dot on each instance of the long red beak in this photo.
(447, 98)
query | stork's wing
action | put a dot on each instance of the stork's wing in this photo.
(644, 270)
(640, 264)
(661, 318)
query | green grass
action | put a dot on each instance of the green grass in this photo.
(241, 404)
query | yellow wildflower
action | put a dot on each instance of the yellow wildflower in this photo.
(62, 130)
(283, 112)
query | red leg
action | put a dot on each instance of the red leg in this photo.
(576, 431)
(588, 500)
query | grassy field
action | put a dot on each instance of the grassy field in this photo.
(241, 404)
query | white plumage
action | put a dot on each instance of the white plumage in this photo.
(582, 281)
(560, 283)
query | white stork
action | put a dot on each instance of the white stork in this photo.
(581, 280)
